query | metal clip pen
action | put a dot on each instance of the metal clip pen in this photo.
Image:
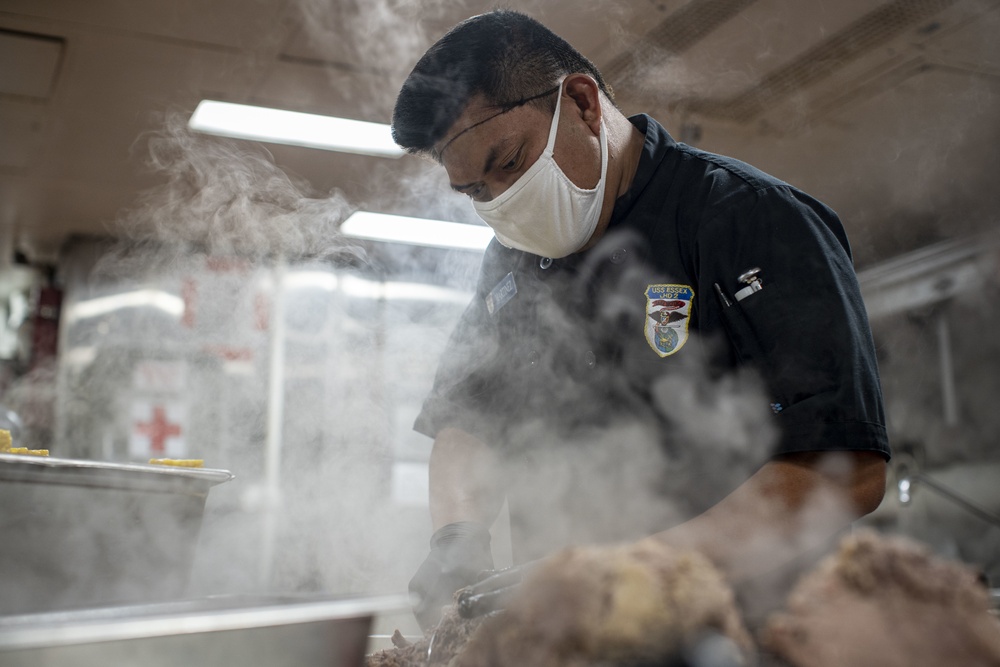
(723, 300)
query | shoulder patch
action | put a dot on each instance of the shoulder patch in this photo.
(668, 312)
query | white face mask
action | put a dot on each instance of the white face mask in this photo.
(544, 212)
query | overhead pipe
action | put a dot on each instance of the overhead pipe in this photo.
(949, 395)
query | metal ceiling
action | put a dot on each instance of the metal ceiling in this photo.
(886, 109)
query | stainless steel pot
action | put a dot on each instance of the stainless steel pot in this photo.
(76, 533)
(223, 631)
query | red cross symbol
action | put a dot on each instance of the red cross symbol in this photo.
(158, 429)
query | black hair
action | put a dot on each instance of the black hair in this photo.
(505, 56)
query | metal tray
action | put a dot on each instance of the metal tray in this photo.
(295, 631)
(80, 533)
(99, 474)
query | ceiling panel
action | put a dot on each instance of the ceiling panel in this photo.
(934, 137)
(238, 24)
(969, 42)
(767, 35)
(368, 35)
(902, 52)
(120, 86)
(318, 88)
(909, 165)
(37, 61)
(375, 36)
(922, 104)
(21, 137)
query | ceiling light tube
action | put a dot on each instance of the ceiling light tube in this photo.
(140, 298)
(416, 231)
(362, 288)
(241, 121)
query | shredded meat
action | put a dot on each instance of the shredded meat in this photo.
(886, 602)
(590, 607)
(399, 641)
(444, 643)
(403, 655)
(878, 602)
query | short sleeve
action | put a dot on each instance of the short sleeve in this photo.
(468, 389)
(806, 330)
(462, 385)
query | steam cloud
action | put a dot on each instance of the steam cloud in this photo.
(228, 199)
(223, 199)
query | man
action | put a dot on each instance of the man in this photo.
(629, 272)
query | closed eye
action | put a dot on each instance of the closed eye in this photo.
(513, 163)
(476, 192)
(471, 189)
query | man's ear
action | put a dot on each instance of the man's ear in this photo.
(586, 94)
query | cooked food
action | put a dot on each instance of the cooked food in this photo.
(590, 607)
(437, 649)
(30, 452)
(180, 463)
(6, 446)
(623, 604)
(886, 601)
(405, 654)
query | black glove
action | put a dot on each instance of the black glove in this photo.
(494, 592)
(459, 553)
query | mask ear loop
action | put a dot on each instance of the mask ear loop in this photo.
(604, 150)
(546, 156)
(439, 153)
(602, 140)
(550, 145)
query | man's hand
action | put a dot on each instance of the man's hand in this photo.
(459, 553)
(493, 592)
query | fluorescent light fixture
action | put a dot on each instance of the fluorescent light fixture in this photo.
(143, 298)
(241, 121)
(416, 231)
(311, 280)
(80, 356)
(360, 288)
(420, 292)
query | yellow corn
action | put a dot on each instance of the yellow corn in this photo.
(180, 463)
(5, 441)
(30, 452)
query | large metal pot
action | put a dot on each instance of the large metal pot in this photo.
(76, 533)
(222, 631)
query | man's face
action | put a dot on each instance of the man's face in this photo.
(485, 152)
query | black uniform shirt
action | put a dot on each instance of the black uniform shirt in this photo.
(626, 331)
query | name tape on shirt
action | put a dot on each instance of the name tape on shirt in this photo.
(668, 312)
(501, 294)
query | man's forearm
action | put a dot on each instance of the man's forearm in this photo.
(463, 480)
(791, 505)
